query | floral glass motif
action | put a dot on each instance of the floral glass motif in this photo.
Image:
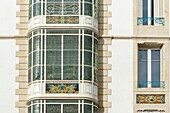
(150, 99)
(62, 19)
(62, 88)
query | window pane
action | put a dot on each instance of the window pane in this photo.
(36, 73)
(36, 108)
(155, 74)
(95, 110)
(53, 108)
(87, 73)
(145, 12)
(29, 109)
(29, 75)
(88, 9)
(70, 57)
(53, 57)
(70, 42)
(87, 109)
(53, 42)
(30, 45)
(37, 9)
(36, 57)
(142, 76)
(155, 54)
(88, 58)
(70, 72)
(53, 72)
(142, 55)
(37, 43)
(88, 43)
(70, 108)
(30, 60)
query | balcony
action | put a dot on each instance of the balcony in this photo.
(151, 84)
(156, 20)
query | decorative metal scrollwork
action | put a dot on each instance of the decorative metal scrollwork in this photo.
(54, 9)
(70, 9)
(158, 20)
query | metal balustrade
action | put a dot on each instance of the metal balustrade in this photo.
(157, 20)
(152, 84)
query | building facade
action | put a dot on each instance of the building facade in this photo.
(85, 56)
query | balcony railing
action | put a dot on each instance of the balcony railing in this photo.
(151, 84)
(158, 20)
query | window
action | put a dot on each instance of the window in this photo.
(150, 12)
(149, 68)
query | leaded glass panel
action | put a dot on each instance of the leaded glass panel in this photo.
(53, 42)
(36, 73)
(70, 72)
(53, 72)
(70, 42)
(53, 108)
(88, 43)
(70, 57)
(88, 9)
(87, 109)
(36, 57)
(87, 73)
(53, 57)
(70, 108)
(36, 43)
(37, 9)
(87, 58)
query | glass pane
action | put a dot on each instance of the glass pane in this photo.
(88, 1)
(30, 60)
(53, 57)
(37, 9)
(70, 57)
(30, 12)
(29, 109)
(53, 42)
(70, 108)
(88, 9)
(142, 76)
(88, 32)
(70, 72)
(88, 43)
(145, 12)
(54, 0)
(87, 73)
(155, 73)
(61, 101)
(54, 8)
(95, 45)
(95, 75)
(53, 72)
(95, 60)
(71, 1)
(36, 108)
(87, 58)
(30, 45)
(36, 57)
(36, 73)
(155, 54)
(87, 109)
(53, 108)
(70, 42)
(71, 9)
(142, 55)
(37, 43)
(95, 110)
(29, 75)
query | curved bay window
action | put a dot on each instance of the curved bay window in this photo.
(62, 59)
(70, 9)
(62, 106)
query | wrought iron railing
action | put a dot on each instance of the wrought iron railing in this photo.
(152, 84)
(158, 20)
